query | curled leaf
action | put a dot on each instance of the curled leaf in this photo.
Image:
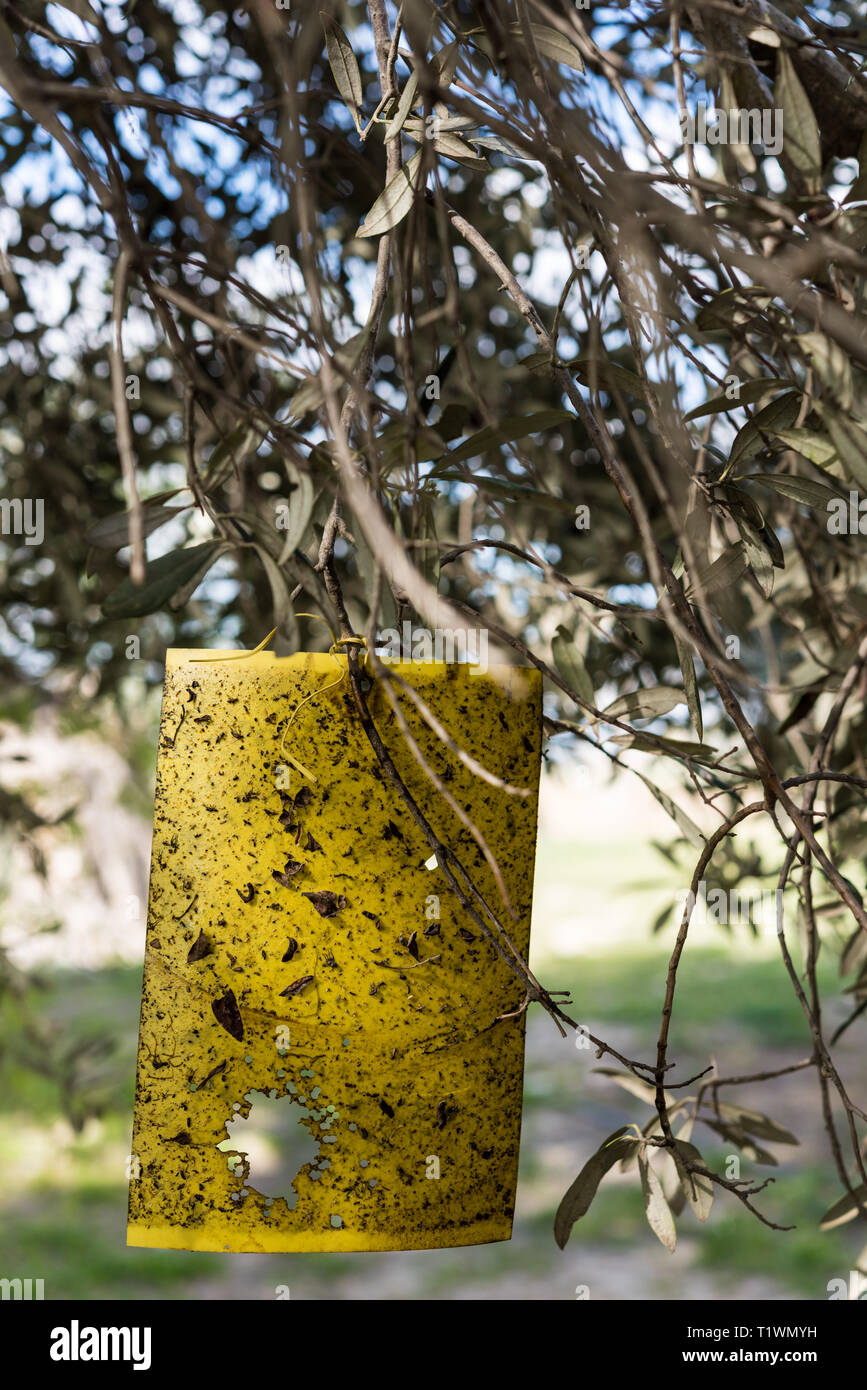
(297, 986)
(326, 902)
(228, 1015)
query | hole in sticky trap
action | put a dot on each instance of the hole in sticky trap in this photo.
(279, 1137)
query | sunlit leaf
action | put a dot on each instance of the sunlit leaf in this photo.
(845, 1209)
(394, 202)
(301, 502)
(850, 442)
(685, 825)
(284, 616)
(552, 44)
(690, 684)
(404, 106)
(814, 447)
(802, 490)
(656, 1208)
(570, 664)
(645, 704)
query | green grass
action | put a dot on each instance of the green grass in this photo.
(716, 991)
(63, 1206)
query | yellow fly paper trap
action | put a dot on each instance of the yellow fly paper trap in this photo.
(304, 966)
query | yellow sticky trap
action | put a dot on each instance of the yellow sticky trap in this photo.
(299, 951)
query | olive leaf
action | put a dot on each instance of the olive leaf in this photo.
(392, 446)
(284, 616)
(447, 143)
(231, 451)
(570, 664)
(163, 579)
(845, 1209)
(496, 142)
(673, 747)
(445, 62)
(404, 106)
(112, 532)
(685, 825)
(301, 503)
(656, 1208)
(850, 443)
(552, 44)
(779, 414)
(649, 1131)
(739, 1137)
(830, 364)
(690, 684)
(577, 1200)
(429, 560)
(721, 574)
(501, 487)
(814, 447)
(732, 308)
(183, 595)
(644, 1090)
(510, 429)
(697, 1188)
(311, 393)
(645, 704)
(729, 102)
(802, 490)
(800, 131)
(755, 1123)
(758, 555)
(747, 393)
(594, 371)
(343, 64)
(394, 202)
